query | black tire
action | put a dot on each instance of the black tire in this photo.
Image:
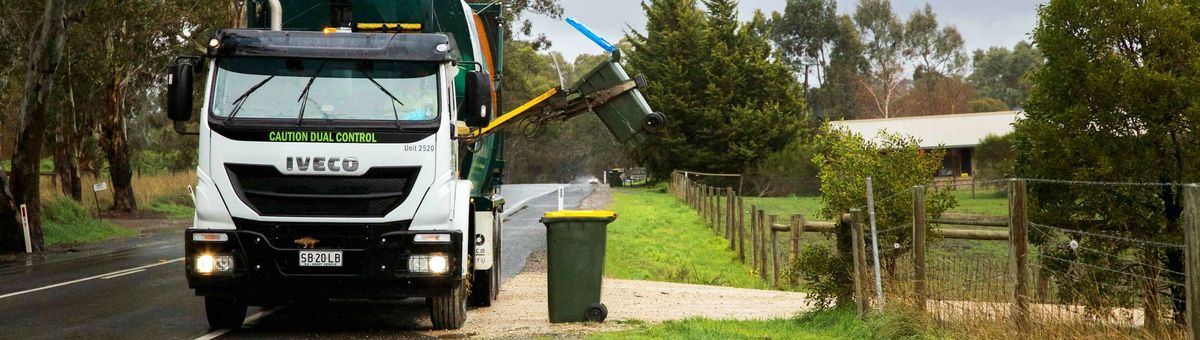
(484, 286)
(597, 312)
(449, 310)
(224, 312)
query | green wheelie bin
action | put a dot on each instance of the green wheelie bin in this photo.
(575, 241)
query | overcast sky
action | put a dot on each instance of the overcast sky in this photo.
(983, 23)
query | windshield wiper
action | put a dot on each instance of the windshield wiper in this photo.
(395, 113)
(237, 103)
(304, 93)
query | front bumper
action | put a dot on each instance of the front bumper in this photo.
(374, 265)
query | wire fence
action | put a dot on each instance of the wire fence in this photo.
(1062, 263)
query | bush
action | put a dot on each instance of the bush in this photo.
(896, 164)
(987, 104)
(823, 272)
(786, 172)
(994, 157)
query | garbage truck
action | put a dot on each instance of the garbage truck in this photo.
(353, 149)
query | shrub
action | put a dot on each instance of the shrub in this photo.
(823, 272)
(896, 164)
(994, 157)
(786, 172)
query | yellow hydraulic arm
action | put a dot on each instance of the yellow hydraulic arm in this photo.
(555, 104)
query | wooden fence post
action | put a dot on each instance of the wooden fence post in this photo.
(862, 304)
(741, 230)
(688, 194)
(695, 193)
(720, 225)
(762, 245)
(797, 231)
(1018, 236)
(717, 211)
(774, 252)
(712, 208)
(753, 238)
(1191, 255)
(729, 219)
(708, 205)
(922, 293)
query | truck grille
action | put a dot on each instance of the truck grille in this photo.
(271, 193)
(345, 236)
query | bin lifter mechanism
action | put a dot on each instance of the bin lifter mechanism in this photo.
(558, 104)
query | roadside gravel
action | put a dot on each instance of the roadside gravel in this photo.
(521, 310)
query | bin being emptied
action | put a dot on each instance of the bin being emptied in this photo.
(575, 242)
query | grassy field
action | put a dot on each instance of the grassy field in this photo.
(66, 222)
(984, 202)
(658, 238)
(831, 324)
(165, 193)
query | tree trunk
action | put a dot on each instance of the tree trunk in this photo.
(116, 147)
(66, 164)
(10, 240)
(45, 53)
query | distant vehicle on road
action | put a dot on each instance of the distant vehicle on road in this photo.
(593, 180)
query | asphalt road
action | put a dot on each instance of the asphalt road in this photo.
(136, 289)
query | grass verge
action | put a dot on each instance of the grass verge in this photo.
(827, 324)
(66, 222)
(165, 193)
(658, 238)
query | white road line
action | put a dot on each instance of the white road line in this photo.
(89, 278)
(250, 320)
(520, 205)
(123, 274)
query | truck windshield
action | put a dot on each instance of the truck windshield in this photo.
(281, 88)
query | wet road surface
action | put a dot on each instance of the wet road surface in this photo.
(136, 288)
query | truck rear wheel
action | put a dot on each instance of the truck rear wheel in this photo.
(449, 310)
(484, 286)
(224, 312)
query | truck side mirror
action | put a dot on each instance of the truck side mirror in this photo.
(478, 105)
(179, 91)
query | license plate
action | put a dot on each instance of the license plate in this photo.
(320, 258)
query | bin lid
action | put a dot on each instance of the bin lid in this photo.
(580, 214)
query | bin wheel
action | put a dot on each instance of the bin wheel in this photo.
(656, 121)
(597, 312)
(224, 312)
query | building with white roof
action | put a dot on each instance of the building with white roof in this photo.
(958, 133)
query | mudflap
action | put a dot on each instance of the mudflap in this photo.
(485, 280)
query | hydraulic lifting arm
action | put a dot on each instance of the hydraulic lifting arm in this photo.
(561, 105)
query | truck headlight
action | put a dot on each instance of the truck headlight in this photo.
(208, 264)
(438, 264)
(435, 264)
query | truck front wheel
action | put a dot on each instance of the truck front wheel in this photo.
(449, 310)
(224, 312)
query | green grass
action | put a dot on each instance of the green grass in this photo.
(174, 206)
(655, 237)
(66, 222)
(985, 202)
(829, 324)
(809, 206)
